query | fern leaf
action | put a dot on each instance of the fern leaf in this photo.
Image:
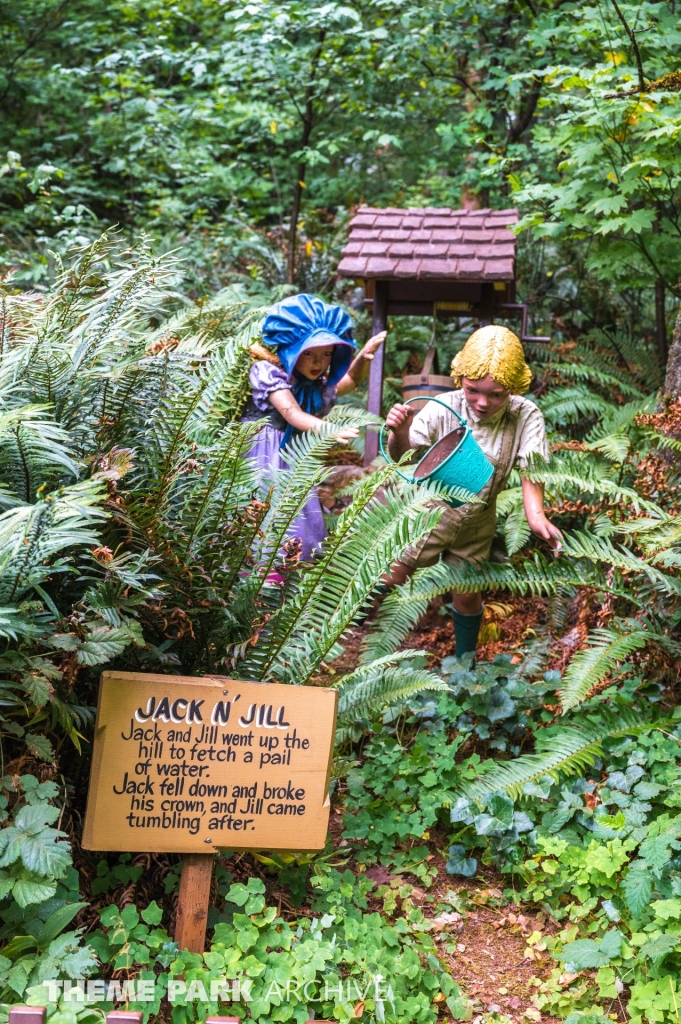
(571, 750)
(592, 374)
(516, 531)
(369, 537)
(590, 666)
(373, 687)
(563, 406)
(613, 446)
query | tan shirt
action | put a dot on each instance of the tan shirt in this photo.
(520, 416)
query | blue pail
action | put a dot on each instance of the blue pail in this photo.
(456, 460)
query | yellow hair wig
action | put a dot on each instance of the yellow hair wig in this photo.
(495, 351)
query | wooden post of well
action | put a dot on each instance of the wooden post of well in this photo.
(375, 396)
(192, 902)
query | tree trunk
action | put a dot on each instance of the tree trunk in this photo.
(308, 123)
(672, 382)
(660, 322)
(293, 223)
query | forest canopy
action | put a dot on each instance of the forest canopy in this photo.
(246, 133)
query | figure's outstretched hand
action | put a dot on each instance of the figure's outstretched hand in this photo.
(540, 525)
(373, 344)
(346, 434)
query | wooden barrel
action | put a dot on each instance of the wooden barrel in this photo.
(426, 383)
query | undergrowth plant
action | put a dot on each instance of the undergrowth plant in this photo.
(137, 534)
(343, 958)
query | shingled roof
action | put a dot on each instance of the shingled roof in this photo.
(461, 245)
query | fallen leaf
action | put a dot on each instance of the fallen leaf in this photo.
(359, 1009)
(448, 918)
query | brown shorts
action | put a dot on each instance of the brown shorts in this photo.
(460, 536)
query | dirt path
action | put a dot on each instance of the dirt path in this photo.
(485, 944)
(486, 950)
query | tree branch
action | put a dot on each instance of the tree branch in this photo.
(308, 123)
(632, 39)
(522, 121)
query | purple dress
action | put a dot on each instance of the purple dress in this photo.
(265, 378)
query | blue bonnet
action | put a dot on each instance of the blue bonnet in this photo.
(304, 321)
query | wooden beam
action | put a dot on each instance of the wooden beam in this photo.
(380, 319)
(192, 902)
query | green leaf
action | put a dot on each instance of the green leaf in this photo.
(40, 747)
(238, 893)
(638, 887)
(499, 817)
(18, 945)
(27, 892)
(583, 954)
(129, 917)
(256, 885)
(40, 848)
(152, 914)
(656, 850)
(254, 905)
(611, 943)
(459, 864)
(657, 949)
(667, 909)
(56, 923)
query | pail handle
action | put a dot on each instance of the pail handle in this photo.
(417, 398)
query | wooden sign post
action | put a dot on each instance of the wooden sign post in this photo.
(187, 765)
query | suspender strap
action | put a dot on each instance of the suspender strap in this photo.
(503, 468)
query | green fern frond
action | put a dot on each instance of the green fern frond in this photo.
(593, 375)
(116, 315)
(386, 681)
(345, 411)
(509, 500)
(573, 749)
(34, 451)
(622, 417)
(516, 531)
(570, 476)
(569, 405)
(370, 535)
(397, 616)
(559, 608)
(613, 446)
(403, 606)
(590, 666)
(31, 535)
(663, 441)
(601, 549)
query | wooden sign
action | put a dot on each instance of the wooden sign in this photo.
(181, 764)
